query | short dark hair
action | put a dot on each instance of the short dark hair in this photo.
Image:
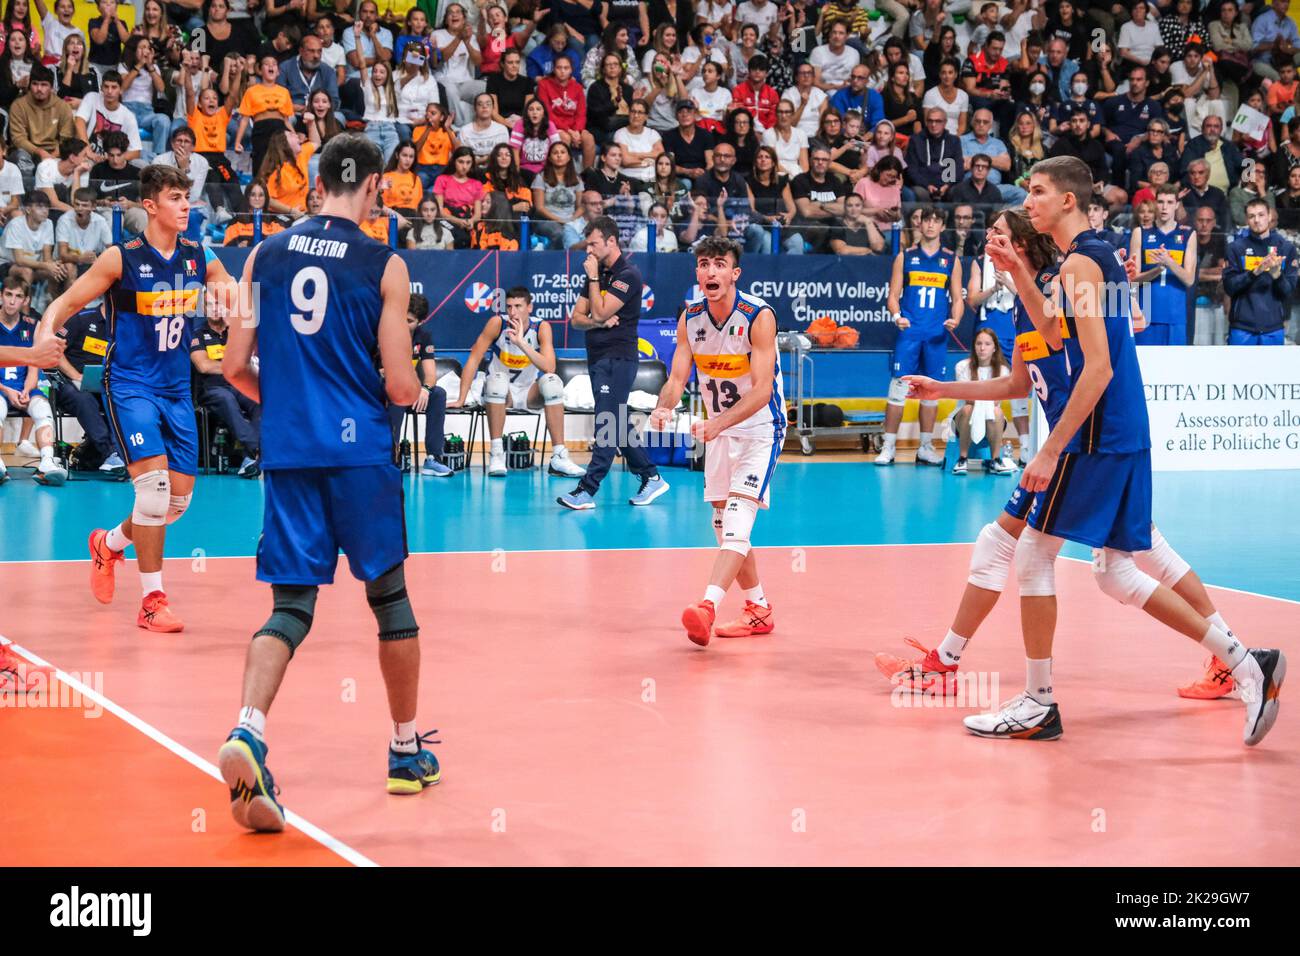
(13, 281)
(110, 76)
(1068, 174)
(40, 74)
(758, 62)
(70, 147)
(115, 139)
(932, 212)
(1257, 201)
(995, 35)
(182, 131)
(605, 225)
(36, 198)
(418, 306)
(519, 292)
(711, 247)
(347, 161)
(981, 158)
(154, 179)
(84, 194)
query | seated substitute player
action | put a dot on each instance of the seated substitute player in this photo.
(926, 303)
(521, 368)
(238, 413)
(1166, 257)
(1033, 362)
(18, 384)
(432, 400)
(731, 338)
(16, 675)
(328, 298)
(86, 335)
(1090, 482)
(153, 284)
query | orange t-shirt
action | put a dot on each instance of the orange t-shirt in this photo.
(403, 190)
(376, 229)
(436, 150)
(288, 184)
(238, 231)
(209, 131)
(1281, 96)
(265, 97)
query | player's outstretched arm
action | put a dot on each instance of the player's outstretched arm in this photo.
(45, 354)
(95, 282)
(678, 375)
(241, 337)
(400, 380)
(1082, 280)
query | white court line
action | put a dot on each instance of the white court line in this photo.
(189, 756)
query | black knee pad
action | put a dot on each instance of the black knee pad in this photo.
(391, 606)
(291, 617)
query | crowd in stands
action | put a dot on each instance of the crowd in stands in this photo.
(815, 124)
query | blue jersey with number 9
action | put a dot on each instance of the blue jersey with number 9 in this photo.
(316, 298)
(151, 310)
(1049, 369)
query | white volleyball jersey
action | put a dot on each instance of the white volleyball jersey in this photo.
(722, 355)
(1002, 300)
(506, 356)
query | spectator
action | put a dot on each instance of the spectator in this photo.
(319, 124)
(661, 223)
(510, 89)
(458, 196)
(555, 195)
(240, 414)
(1212, 246)
(1275, 37)
(1138, 38)
(1126, 119)
(141, 83)
(741, 135)
(459, 55)
(661, 90)
(56, 26)
(976, 421)
(1288, 204)
(332, 55)
(400, 188)
(761, 13)
(483, 134)
(607, 178)
(73, 75)
(664, 40)
(80, 238)
(415, 33)
(608, 100)
(116, 181)
(1253, 185)
(756, 96)
(963, 238)
(946, 96)
(566, 102)
(1281, 95)
(936, 53)
(788, 141)
(578, 22)
(88, 337)
(593, 208)
(1195, 74)
(691, 147)
(216, 39)
(901, 105)
(1259, 275)
(703, 49)
(1156, 149)
(433, 144)
(1097, 213)
(183, 157)
(11, 187)
(727, 205)
(541, 62)
(881, 190)
(510, 196)
(1232, 43)
(926, 22)
(848, 156)
(984, 78)
(265, 103)
(933, 159)
(428, 231)
(855, 234)
(614, 39)
(630, 15)
(496, 39)
(640, 145)
(666, 188)
(1157, 176)
(977, 189)
(364, 45)
(712, 98)
(770, 197)
(980, 140)
(818, 198)
(284, 170)
(1221, 157)
(306, 73)
(58, 178)
(1026, 146)
(531, 137)
(808, 99)
(38, 121)
(29, 248)
(242, 228)
(834, 60)
(107, 34)
(15, 67)
(186, 83)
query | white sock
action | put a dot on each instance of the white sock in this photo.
(559, 450)
(116, 540)
(890, 441)
(1217, 620)
(47, 455)
(925, 439)
(151, 581)
(1038, 680)
(1223, 645)
(951, 648)
(715, 594)
(756, 595)
(252, 720)
(405, 738)
(497, 445)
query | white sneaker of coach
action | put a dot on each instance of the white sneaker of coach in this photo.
(497, 463)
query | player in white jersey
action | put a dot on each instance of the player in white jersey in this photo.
(731, 339)
(520, 347)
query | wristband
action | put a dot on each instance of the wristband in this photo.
(896, 316)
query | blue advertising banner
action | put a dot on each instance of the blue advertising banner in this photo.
(464, 287)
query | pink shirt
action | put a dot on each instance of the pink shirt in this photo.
(877, 196)
(455, 193)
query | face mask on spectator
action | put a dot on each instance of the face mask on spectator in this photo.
(1080, 89)
(1038, 89)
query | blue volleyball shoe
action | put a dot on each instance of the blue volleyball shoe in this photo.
(411, 773)
(242, 760)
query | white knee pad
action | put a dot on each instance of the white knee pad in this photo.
(153, 491)
(1020, 409)
(177, 507)
(1036, 563)
(738, 523)
(897, 392)
(1120, 578)
(990, 562)
(38, 410)
(1162, 562)
(929, 403)
(717, 525)
(551, 389)
(495, 388)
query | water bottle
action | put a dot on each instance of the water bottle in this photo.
(220, 442)
(1006, 449)
(405, 454)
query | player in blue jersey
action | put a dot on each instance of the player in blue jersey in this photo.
(1046, 369)
(153, 288)
(1166, 258)
(926, 303)
(328, 297)
(1091, 480)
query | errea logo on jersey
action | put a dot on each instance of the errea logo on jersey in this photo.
(146, 271)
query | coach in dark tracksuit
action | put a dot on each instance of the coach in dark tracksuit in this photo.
(87, 336)
(1260, 275)
(608, 310)
(236, 411)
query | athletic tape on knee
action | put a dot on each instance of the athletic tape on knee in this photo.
(177, 507)
(292, 615)
(1120, 578)
(495, 388)
(551, 388)
(388, 601)
(717, 525)
(1036, 563)
(1020, 409)
(738, 524)
(897, 392)
(153, 491)
(990, 561)
(1162, 562)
